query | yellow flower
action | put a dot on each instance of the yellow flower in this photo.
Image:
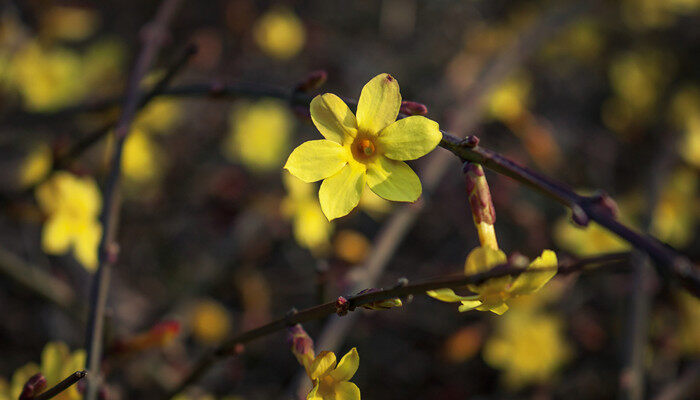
(36, 165)
(677, 210)
(69, 23)
(210, 322)
(142, 159)
(280, 33)
(311, 229)
(331, 382)
(367, 150)
(586, 241)
(72, 205)
(159, 116)
(493, 294)
(510, 100)
(47, 78)
(57, 363)
(529, 347)
(684, 114)
(259, 134)
(689, 329)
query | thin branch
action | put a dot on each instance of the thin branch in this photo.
(321, 311)
(61, 386)
(154, 38)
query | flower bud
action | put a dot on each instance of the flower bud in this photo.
(413, 108)
(33, 387)
(301, 344)
(480, 203)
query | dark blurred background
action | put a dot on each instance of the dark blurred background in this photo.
(214, 236)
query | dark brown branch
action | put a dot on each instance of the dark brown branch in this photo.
(61, 386)
(154, 37)
(324, 310)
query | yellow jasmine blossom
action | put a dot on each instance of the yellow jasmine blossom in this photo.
(511, 99)
(69, 23)
(331, 380)
(142, 159)
(36, 165)
(280, 33)
(311, 229)
(259, 134)
(493, 294)
(159, 116)
(685, 116)
(210, 322)
(676, 213)
(57, 363)
(586, 241)
(689, 329)
(71, 205)
(528, 347)
(369, 149)
(47, 78)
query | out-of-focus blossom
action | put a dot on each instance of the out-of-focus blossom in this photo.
(654, 14)
(367, 150)
(142, 160)
(255, 294)
(210, 322)
(57, 363)
(36, 165)
(159, 116)
(689, 330)
(586, 241)
(685, 116)
(160, 335)
(280, 33)
(583, 40)
(259, 134)
(676, 214)
(510, 99)
(373, 205)
(463, 344)
(71, 205)
(47, 78)
(528, 347)
(104, 67)
(310, 227)
(68, 22)
(351, 246)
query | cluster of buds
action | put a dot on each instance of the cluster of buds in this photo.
(481, 204)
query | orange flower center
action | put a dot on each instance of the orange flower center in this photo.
(363, 148)
(367, 147)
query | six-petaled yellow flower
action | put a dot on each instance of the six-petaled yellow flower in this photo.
(331, 380)
(72, 205)
(369, 149)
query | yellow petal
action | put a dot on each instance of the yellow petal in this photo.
(333, 118)
(346, 391)
(322, 364)
(499, 310)
(56, 235)
(393, 180)
(53, 359)
(448, 295)
(316, 159)
(482, 259)
(469, 305)
(347, 366)
(410, 138)
(313, 394)
(529, 282)
(340, 193)
(379, 104)
(86, 244)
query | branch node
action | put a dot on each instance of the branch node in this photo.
(290, 314)
(579, 216)
(470, 141)
(342, 306)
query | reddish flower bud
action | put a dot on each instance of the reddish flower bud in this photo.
(342, 306)
(479, 194)
(34, 386)
(413, 108)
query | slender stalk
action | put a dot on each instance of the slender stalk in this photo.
(321, 311)
(61, 386)
(154, 39)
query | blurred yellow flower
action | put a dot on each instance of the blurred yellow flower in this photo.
(71, 205)
(259, 134)
(582, 40)
(48, 78)
(373, 205)
(463, 344)
(142, 161)
(528, 347)
(103, 67)
(510, 99)
(367, 150)
(651, 14)
(689, 330)
(586, 241)
(210, 322)
(331, 382)
(69, 23)
(36, 165)
(280, 33)
(684, 114)
(351, 246)
(57, 363)
(675, 216)
(493, 294)
(159, 116)
(311, 228)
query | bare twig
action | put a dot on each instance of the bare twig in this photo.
(321, 311)
(154, 38)
(61, 386)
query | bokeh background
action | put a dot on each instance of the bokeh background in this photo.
(215, 239)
